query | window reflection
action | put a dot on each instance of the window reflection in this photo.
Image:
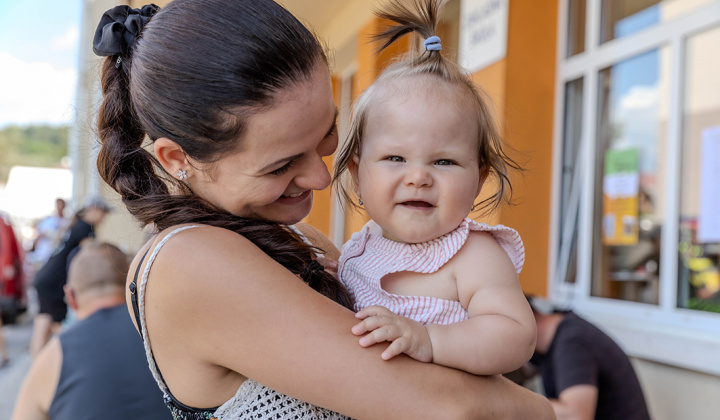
(576, 27)
(699, 242)
(628, 180)
(570, 181)
(624, 17)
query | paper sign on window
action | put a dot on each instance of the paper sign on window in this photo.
(621, 185)
(709, 217)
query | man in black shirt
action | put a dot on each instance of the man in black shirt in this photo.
(585, 374)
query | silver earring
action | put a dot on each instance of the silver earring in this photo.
(360, 201)
(182, 174)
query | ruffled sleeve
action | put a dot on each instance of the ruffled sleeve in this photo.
(508, 238)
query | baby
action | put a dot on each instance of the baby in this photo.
(439, 286)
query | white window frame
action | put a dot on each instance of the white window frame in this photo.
(663, 333)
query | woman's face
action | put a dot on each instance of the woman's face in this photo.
(279, 162)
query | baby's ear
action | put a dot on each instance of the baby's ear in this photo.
(484, 173)
(353, 167)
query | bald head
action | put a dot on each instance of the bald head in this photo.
(98, 269)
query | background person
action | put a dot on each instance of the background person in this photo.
(51, 278)
(12, 293)
(235, 312)
(95, 369)
(585, 374)
(50, 232)
(12, 276)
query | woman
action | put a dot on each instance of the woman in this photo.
(236, 98)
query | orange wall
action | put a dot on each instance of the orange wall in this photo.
(492, 80)
(319, 216)
(528, 104)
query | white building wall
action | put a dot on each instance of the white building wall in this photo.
(674, 393)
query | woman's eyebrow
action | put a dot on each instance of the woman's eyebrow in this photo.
(278, 162)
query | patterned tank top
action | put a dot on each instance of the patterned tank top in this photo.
(368, 256)
(251, 401)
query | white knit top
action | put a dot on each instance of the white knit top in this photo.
(368, 256)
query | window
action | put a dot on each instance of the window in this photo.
(699, 224)
(625, 17)
(639, 133)
(628, 181)
(577, 10)
(570, 180)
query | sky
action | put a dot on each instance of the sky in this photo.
(38, 61)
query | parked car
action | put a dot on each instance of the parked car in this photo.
(12, 287)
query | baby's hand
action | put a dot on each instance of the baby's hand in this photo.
(407, 336)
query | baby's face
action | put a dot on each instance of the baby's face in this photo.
(418, 172)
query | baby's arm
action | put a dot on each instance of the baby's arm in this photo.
(499, 335)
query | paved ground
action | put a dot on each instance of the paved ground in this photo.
(17, 337)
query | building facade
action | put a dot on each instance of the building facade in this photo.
(614, 106)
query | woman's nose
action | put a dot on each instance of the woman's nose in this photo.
(316, 176)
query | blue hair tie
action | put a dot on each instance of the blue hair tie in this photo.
(433, 43)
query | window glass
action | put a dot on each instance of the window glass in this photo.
(699, 242)
(624, 17)
(570, 181)
(576, 27)
(629, 186)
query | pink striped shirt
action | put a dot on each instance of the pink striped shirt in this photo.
(368, 256)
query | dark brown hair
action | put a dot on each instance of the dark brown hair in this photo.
(198, 69)
(422, 17)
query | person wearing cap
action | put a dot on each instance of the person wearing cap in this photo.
(52, 276)
(95, 369)
(585, 374)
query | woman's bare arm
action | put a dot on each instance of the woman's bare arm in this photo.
(234, 309)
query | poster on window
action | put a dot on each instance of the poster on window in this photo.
(483, 33)
(621, 187)
(709, 217)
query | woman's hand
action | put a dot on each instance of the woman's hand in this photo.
(407, 336)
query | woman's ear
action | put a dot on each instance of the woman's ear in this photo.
(172, 157)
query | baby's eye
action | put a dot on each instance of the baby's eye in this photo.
(445, 162)
(395, 159)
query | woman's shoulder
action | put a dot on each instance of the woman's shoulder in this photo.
(196, 235)
(189, 249)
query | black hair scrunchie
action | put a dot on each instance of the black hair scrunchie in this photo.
(119, 27)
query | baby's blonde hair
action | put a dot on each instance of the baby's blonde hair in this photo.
(422, 17)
